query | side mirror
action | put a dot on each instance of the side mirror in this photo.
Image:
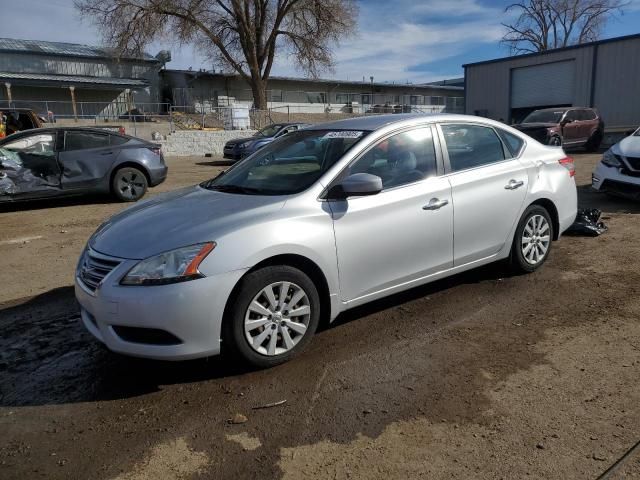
(357, 185)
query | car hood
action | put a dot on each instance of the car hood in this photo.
(531, 126)
(629, 147)
(177, 219)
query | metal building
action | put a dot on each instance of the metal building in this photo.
(71, 79)
(207, 90)
(603, 74)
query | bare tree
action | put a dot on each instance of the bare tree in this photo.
(545, 24)
(243, 35)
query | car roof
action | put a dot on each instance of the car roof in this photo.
(10, 109)
(33, 131)
(375, 122)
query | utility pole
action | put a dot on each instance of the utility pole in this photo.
(371, 78)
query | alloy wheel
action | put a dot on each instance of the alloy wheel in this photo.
(130, 184)
(277, 318)
(535, 239)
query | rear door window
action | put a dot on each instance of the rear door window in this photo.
(471, 146)
(118, 140)
(85, 140)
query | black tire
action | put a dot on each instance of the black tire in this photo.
(555, 141)
(517, 260)
(129, 184)
(593, 144)
(234, 338)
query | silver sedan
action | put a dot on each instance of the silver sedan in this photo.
(320, 221)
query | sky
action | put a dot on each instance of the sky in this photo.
(398, 41)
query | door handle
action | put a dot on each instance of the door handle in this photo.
(106, 153)
(435, 204)
(513, 184)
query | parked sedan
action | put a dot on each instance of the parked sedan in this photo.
(618, 172)
(322, 220)
(243, 147)
(49, 162)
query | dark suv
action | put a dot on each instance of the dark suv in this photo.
(567, 127)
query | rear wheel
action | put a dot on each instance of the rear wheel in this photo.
(593, 144)
(129, 184)
(274, 315)
(555, 141)
(532, 241)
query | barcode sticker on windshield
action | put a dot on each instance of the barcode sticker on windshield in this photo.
(343, 134)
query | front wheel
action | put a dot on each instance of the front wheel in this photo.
(532, 241)
(129, 184)
(273, 316)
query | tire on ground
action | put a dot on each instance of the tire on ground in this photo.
(518, 262)
(129, 184)
(593, 144)
(233, 329)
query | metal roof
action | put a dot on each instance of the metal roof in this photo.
(554, 50)
(319, 80)
(76, 79)
(14, 45)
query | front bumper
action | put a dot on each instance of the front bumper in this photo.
(190, 311)
(234, 153)
(616, 181)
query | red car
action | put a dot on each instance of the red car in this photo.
(567, 127)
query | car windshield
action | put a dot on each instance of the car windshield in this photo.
(544, 116)
(288, 165)
(269, 130)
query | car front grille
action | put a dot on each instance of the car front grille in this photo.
(94, 267)
(634, 162)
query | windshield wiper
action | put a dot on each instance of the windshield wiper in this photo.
(235, 189)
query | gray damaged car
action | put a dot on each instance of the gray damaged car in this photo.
(51, 162)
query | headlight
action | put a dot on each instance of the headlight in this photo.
(174, 266)
(610, 159)
(245, 144)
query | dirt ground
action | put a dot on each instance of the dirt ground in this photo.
(478, 376)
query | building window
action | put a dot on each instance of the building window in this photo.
(437, 100)
(342, 98)
(276, 95)
(366, 99)
(315, 97)
(413, 100)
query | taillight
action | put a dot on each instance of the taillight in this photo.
(121, 130)
(155, 150)
(567, 162)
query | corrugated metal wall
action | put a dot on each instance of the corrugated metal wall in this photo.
(29, 63)
(488, 86)
(617, 85)
(616, 89)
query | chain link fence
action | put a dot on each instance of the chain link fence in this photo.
(144, 119)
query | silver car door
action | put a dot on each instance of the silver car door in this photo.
(488, 189)
(403, 233)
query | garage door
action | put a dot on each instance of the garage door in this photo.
(539, 85)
